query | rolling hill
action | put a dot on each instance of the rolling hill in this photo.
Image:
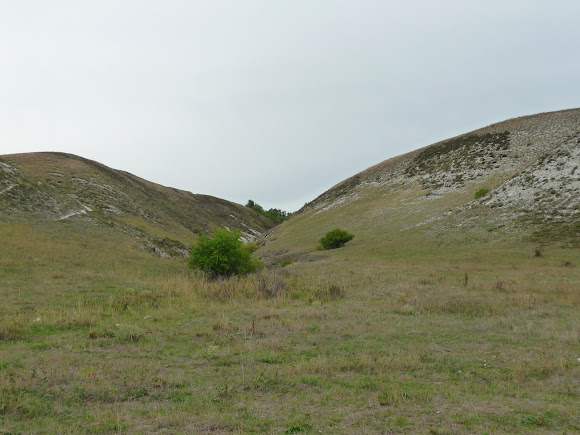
(63, 188)
(517, 180)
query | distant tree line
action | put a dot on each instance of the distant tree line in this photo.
(274, 214)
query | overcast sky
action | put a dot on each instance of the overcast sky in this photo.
(273, 100)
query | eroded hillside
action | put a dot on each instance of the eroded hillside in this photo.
(53, 187)
(525, 169)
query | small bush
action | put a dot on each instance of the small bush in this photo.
(335, 239)
(287, 263)
(222, 255)
(481, 192)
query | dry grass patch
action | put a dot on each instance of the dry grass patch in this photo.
(364, 345)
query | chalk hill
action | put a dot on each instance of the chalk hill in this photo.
(64, 188)
(513, 180)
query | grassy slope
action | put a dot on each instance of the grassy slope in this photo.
(417, 201)
(404, 330)
(120, 199)
(97, 336)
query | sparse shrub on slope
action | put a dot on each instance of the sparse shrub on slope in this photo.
(481, 192)
(222, 255)
(335, 239)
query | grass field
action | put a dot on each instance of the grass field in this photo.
(413, 336)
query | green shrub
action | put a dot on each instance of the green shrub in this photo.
(222, 255)
(481, 192)
(287, 263)
(335, 239)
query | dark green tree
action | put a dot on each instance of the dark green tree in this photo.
(276, 215)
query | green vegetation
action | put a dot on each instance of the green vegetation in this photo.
(99, 336)
(481, 193)
(222, 255)
(276, 215)
(335, 239)
(441, 318)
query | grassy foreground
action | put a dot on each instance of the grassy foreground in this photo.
(98, 336)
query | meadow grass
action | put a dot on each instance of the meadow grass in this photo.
(99, 336)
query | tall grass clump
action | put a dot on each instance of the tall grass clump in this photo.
(12, 328)
(270, 284)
